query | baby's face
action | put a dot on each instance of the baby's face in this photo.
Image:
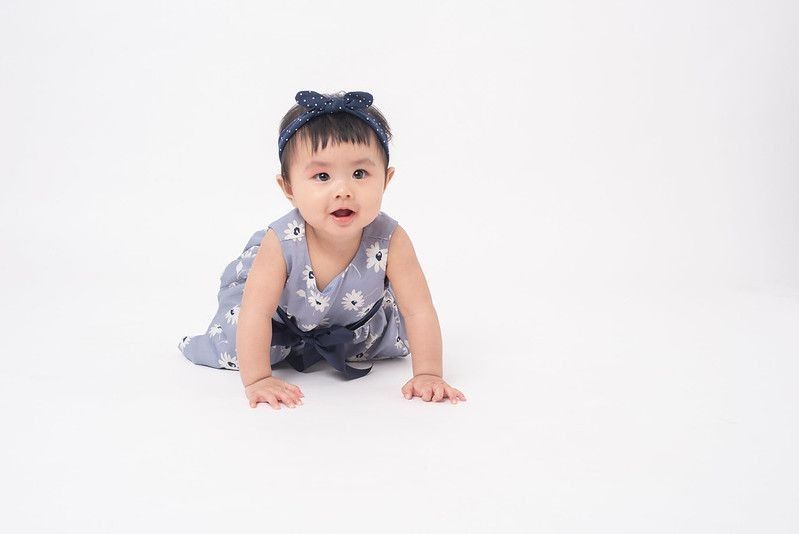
(339, 176)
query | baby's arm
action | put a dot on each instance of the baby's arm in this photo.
(262, 291)
(415, 304)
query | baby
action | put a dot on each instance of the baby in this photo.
(319, 282)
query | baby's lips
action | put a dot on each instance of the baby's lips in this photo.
(342, 212)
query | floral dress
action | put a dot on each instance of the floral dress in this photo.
(346, 300)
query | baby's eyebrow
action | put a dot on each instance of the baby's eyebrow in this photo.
(356, 162)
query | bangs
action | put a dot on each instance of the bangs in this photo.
(338, 128)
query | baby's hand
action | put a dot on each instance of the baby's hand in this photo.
(431, 387)
(273, 391)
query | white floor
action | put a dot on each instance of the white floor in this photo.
(575, 177)
(603, 412)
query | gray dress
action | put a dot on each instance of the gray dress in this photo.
(349, 299)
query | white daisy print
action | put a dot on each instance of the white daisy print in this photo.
(353, 300)
(250, 252)
(295, 231)
(184, 342)
(239, 267)
(228, 362)
(376, 257)
(232, 315)
(371, 340)
(399, 344)
(311, 297)
(358, 357)
(284, 351)
(308, 276)
(308, 327)
(214, 330)
(317, 300)
(360, 333)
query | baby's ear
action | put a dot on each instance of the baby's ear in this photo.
(389, 175)
(285, 186)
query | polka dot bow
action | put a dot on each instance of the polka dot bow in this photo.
(317, 104)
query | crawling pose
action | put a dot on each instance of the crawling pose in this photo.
(319, 283)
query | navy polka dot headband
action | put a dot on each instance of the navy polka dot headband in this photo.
(316, 104)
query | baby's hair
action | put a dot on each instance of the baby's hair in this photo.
(338, 127)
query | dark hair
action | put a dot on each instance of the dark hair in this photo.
(340, 127)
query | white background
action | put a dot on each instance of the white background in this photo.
(604, 197)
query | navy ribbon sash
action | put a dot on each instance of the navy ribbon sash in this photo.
(329, 343)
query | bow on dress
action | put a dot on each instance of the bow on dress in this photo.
(330, 343)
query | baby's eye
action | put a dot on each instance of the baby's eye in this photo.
(322, 174)
(361, 170)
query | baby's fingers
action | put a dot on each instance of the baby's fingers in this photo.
(295, 397)
(438, 392)
(266, 399)
(254, 399)
(452, 393)
(288, 398)
(273, 401)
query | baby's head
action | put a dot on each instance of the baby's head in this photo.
(332, 161)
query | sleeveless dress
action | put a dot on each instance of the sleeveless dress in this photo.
(355, 317)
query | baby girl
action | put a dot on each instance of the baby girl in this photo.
(319, 283)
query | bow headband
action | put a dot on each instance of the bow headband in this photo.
(316, 104)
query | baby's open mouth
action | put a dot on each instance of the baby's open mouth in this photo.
(342, 213)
